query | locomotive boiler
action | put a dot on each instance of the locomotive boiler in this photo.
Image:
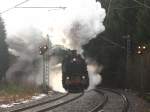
(74, 73)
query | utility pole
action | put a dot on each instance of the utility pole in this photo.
(44, 51)
(128, 52)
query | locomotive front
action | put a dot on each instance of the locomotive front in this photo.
(74, 73)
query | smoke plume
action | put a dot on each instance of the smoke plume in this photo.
(72, 28)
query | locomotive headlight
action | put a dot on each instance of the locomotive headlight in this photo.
(45, 47)
(144, 47)
(67, 78)
(83, 77)
(139, 47)
(74, 59)
(40, 52)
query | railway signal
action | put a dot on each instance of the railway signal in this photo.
(44, 51)
(141, 49)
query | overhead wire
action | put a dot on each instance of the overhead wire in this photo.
(108, 13)
(42, 7)
(108, 6)
(18, 6)
(14, 6)
(108, 19)
(108, 22)
(112, 42)
(118, 8)
(142, 4)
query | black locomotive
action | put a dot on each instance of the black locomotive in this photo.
(74, 73)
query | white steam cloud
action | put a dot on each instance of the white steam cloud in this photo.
(73, 27)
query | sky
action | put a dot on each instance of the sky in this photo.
(28, 16)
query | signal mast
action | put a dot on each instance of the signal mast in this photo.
(44, 51)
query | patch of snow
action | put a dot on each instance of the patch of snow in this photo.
(38, 97)
(16, 103)
(6, 105)
(25, 101)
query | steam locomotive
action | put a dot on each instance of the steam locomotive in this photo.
(74, 73)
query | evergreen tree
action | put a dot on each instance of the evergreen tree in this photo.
(4, 56)
(143, 24)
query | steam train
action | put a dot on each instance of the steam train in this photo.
(74, 73)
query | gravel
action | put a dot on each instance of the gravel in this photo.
(35, 109)
(137, 104)
(114, 104)
(85, 103)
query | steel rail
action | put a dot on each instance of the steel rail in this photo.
(125, 99)
(60, 104)
(101, 105)
(41, 103)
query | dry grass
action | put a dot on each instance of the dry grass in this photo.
(14, 93)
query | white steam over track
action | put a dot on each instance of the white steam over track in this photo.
(72, 27)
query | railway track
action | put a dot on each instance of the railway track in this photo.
(31, 108)
(60, 104)
(90, 104)
(125, 102)
(101, 105)
(104, 104)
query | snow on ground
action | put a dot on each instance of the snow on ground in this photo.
(25, 101)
